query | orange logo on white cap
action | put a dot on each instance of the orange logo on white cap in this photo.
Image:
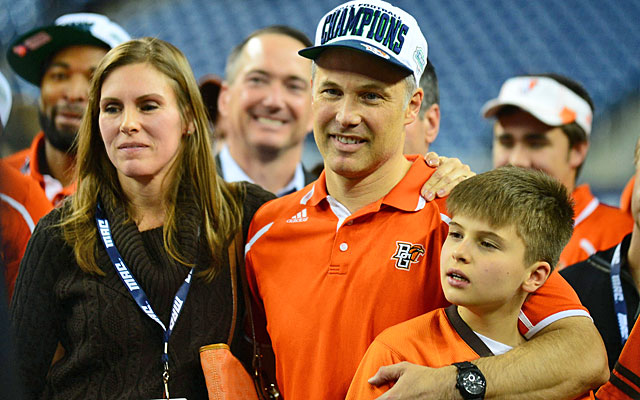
(375, 51)
(567, 115)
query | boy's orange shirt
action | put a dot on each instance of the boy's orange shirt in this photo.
(435, 339)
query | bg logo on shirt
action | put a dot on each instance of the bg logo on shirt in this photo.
(407, 254)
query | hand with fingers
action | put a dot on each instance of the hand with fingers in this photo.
(416, 382)
(449, 172)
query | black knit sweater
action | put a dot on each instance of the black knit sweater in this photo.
(112, 349)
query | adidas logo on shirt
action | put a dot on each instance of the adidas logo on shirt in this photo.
(299, 217)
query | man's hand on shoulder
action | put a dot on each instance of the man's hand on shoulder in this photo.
(449, 172)
(416, 382)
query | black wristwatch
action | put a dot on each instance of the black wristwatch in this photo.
(470, 381)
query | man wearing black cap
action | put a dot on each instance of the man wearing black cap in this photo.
(367, 246)
(60, 59)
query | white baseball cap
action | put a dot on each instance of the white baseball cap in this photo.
(545, 98)
(5, 100)
(29, 53)
(374, 27)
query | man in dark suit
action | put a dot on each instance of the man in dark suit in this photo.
(266, 103)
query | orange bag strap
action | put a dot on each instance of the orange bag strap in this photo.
(265, 390)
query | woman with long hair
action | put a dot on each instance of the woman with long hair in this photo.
(130, 276)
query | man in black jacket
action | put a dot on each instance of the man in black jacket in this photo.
(608, 283)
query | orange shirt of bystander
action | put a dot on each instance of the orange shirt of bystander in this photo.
(27, 162)
(22, 204)
(597, 227)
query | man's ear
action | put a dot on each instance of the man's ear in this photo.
(223, 99)
(414, 106)
(578, 153)
(431, 123)
(539, 271)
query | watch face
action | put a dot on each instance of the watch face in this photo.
(472, 382)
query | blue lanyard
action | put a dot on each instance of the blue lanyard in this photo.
(139, 295)
(619, 304)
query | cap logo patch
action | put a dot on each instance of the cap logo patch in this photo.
(20, 50)
(418, 56)
(529, 85)
(567, 115)
(32, 43)
(368, 21)
(375, 51)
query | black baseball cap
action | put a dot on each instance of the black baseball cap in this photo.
(29, 53)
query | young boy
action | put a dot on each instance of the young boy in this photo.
(507, 231)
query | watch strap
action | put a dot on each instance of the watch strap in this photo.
(464, 365)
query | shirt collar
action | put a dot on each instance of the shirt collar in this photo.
(404, 196)
(53, 188)
(582, 197)
(585, 203)
(232, 172)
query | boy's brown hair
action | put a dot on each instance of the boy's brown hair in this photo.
(536, 204)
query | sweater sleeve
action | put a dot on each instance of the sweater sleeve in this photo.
(35, 311)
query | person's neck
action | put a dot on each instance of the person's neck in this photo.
(633, 255)
(570, 183)
(355, 193)
(146, 199)
(499, 324)
(59, 164)
(273, 170)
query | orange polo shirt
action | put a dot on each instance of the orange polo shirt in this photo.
(326, 282)
(597, 227)
(22, 204)
(27, 162)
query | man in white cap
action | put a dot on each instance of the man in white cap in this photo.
(22, 204)
(544, 122)
(60, 59)
(367, 245)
